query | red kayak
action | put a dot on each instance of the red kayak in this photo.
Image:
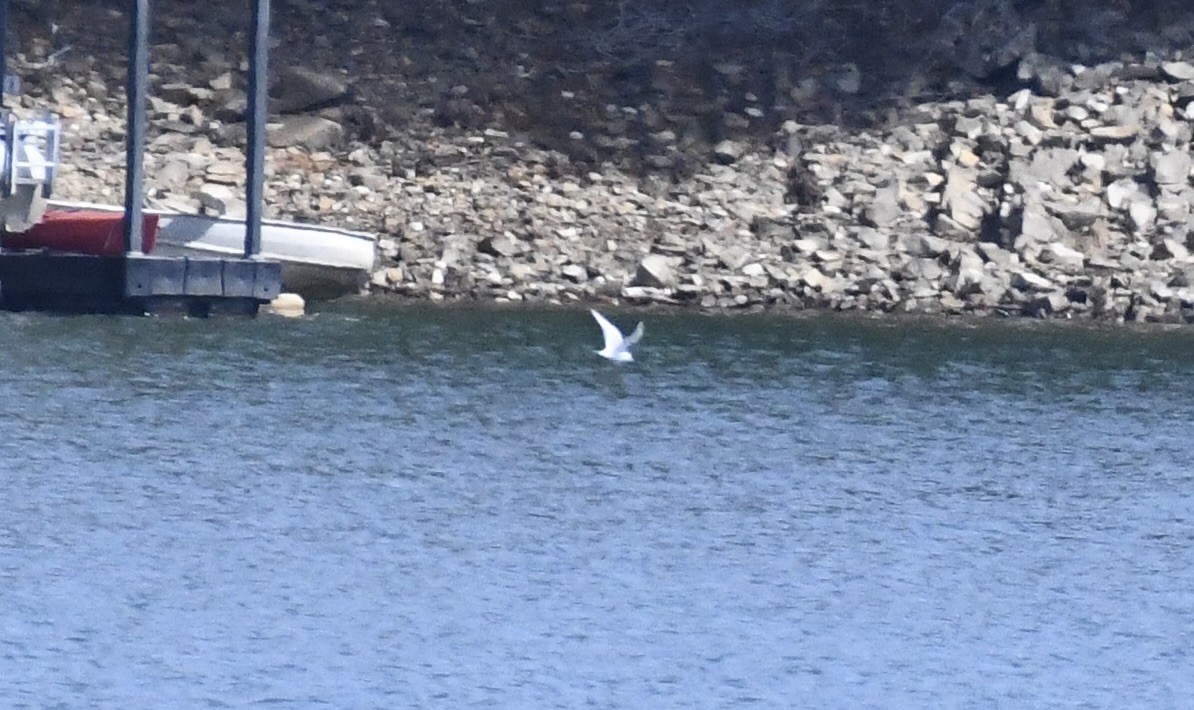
(82, 232)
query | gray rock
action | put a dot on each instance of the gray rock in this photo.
(965, 280)
(1049, 76)
(1173, 206)
(1047, 304)
(523, 272)
(728, 151)
(1063, 257)
(1029, 132)
(884, 209)
(1077, 214)
(647, 294)
(1031, 281)
(809, 245)
(654, 271)
(1172, 168)
(221, 82)
(184, 94)
(967, 257)
(996, 254)
(299, 88)
(220, 200)
(501, 245)
(1036, 226)
(670, 245)
(1114, 134)
(310, 132)
(225, 172)
(928, 270)
(1178, 71)
(815, 279)
(960, 200)
(575, 273)
(873, 239)
(753, 270)
(1120, 193)
(1142, 214)
(1047, 166)
(229, 105)
(369, 177)
(733, 257)
(1170, 249)
(173, 174)
(922, 245)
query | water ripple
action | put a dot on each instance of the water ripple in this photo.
(413, 507)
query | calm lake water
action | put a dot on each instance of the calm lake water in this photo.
(416, 507)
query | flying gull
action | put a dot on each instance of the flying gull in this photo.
(617, 348)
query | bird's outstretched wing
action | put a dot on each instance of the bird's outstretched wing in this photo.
(613, 336)
(634, 337)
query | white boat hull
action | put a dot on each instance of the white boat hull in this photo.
(317, 262)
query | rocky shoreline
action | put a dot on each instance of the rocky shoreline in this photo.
(1070, 197)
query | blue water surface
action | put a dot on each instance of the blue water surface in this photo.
(380, 507)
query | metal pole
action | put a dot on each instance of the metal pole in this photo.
(3, 89)
(134, 141)
(3, 49)
(255, 120)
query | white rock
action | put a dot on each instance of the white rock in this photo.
(965, 207)
(1181, 71)
(1172, 168)
(1031, 281)
(1120, 192)
(1063, 257)
(1141, 213)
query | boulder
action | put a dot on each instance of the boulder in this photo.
(654, 271)
(220, 200)
(1031, 281)
(1063, 257)
(1170, 249)
(817, 280)
(884, 209)
(499, 245)
(1178, 71)
(310, 132)
(1120, 192)
(1172, 168)
(728, 151)
(960, 199)
(299, 89)
(574, 273)
(1142, 213)
(1036, 226)
(922, 245)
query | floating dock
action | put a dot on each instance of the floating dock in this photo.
(136, 284)
(129, 281)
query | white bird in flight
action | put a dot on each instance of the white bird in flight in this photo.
(617, 348)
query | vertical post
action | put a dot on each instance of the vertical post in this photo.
(3, 50)
(134, 140)
(255, 120)
(3, 89)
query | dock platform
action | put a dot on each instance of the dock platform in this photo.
(136, 284)
(68, 271)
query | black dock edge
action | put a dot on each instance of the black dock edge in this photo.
(136, 284)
